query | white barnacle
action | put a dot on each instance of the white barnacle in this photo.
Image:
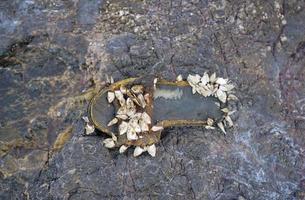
(222, 96)
(86, 119)
(122, 110)
(110, 97)
(225, 110)
(143, 125)
(114, 138)
(123, 89)
(131, 111)
(138, 151)
(193, 79)
(210, 127)
(119, 95)
(89, 129)
(222, 128)
(179, 78)
(137, 89)
(131, 134)
(229, 120)
(137, 116)
(213, 78)
(108, 80)
(123, 127)
(204, 92)
(129, 103)
(229, 87)
(146, 118)
(205, 78)
(136, 127)
(155, 82)
(123, 117)
(113, 121)
(232, 97)
(152, 150)
(193, 90)
(210, 122)
(223, 88)
(141, 100)
(156, 128)
(136, 100)
(109, 143)
(231, 112)
(123, 148)
(210, 87)
(221, 81)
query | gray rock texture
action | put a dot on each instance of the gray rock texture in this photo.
(52, 51)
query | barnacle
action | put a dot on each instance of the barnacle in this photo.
(110, 97)
(142, 110)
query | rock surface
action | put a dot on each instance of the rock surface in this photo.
(51, 51)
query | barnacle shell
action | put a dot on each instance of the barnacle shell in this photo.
(123, 117)
(109, 143)
(123, 89)
(210, 122)
(119, 95)
(129, 103)
(225, 110)
(205, 78)
(131, 134)
(217, 104)
(122, 110)
(221, 81)
(110, 97)
(229, 120)
(155, 82)
(123, 127)
(131, 109)
(213, 78)
(156, 128)
(193, 79)
(112, 122)
(141, 100)
(89, 129)
(136, 89)
(222, 128)
(138, 151)
(146, 118)
(114, 138)
(86, 119)
(109, 79)
(193, 90)
(152, 150)
(204, 92)
(143, 125)
(123, 148)
(229, 87)
(232, 97)
(209, 127)
(179, 78)
(222, 96)
(146, 97)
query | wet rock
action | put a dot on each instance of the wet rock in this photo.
(51, 51)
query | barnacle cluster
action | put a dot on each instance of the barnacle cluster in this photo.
(131, 117)
(218, 87)
(134, 103)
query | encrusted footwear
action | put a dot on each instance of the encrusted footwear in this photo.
(134, 111)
